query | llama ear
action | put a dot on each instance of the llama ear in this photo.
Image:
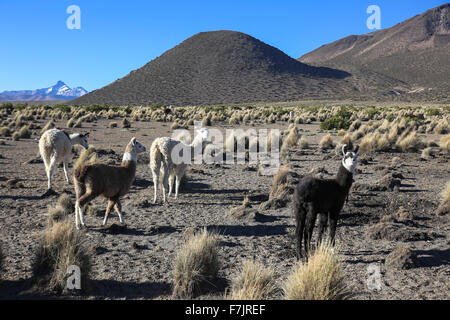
(344, 149)
(133, 140)
(356, 150)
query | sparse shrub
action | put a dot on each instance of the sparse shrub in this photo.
(112, 124)
(444, 207)
(321, 278)
(426, 153)
(410, 143)
(206, 122)
(335, 123)
(441, 127)
(60, 246)
(444, 143)
(5, 132)
(48, 126)
(70, 123)
(196, 262)
(326, 142)
(16, 136)
(66, 203)
(355, 125)
(303, 143)
(126, 123)
(254, 282)
(56, 214)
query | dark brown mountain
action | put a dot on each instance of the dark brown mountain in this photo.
(415, 52)
(221, 67)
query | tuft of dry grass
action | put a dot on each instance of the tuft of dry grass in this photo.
(48, 126)
(60, 246)
(254, 282)
(196, 262)
(56, 214)
(444, 207)
(426, 153)
(326, 142)
(280, 187)
(444, 143)
(88, 155)
(113, 124)
(321, 278)
(303, 143)
(410, 142)
(66, 203)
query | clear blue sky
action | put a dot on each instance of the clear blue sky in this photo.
(119, 36)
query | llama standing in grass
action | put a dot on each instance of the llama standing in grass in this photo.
(55, 146)
(326, 197)
(109, 181)
(165, 158)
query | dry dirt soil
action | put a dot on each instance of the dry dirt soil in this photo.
(136, 262)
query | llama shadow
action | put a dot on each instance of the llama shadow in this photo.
(433, 257)
(142, 183)
(224, 191)
(193, 187)
(132, 290)
(21, 197)
(121, 229)
(248, 231)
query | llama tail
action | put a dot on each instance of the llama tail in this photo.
(155, 154)
(45, 149)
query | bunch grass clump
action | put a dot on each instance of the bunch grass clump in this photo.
(88, 155)
(254, 282)
(326, 142)
(60, 246)
(196, 263)
(321, 278)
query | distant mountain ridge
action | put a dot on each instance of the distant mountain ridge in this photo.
(415, 52)
(59, 91)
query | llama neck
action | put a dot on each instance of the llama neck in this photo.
(344, 177)
(129, 157)
(74, 138)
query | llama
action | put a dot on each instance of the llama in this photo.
(109, 181)
(162, 155)
(325, 197)
(55, 146)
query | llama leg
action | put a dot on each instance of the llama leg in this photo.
(171, 177)
(66, 170)
(323, 220)
(50, 170)
(108, 210)
(83, 200)
(299, 214)
(333, 224)
(155, 174)
(309, 227)
(77, 224)
(177, 185)
(118, 209)
(165, 181)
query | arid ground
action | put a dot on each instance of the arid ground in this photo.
(136, 262)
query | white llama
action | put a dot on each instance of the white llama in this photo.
(166, 157)
(55, 146)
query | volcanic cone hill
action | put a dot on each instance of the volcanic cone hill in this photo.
(415, 52)
(221, 67)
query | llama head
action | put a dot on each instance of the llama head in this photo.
(350, 158)
(203, 133)
(137, 146)
(81, 139)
